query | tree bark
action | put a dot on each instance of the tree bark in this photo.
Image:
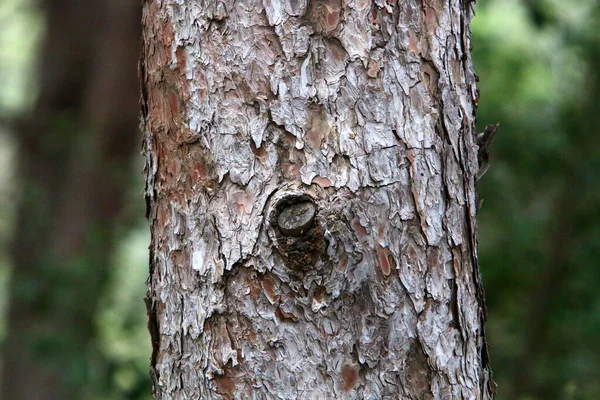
(310, 173)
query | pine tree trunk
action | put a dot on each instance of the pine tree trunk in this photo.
(311, 187)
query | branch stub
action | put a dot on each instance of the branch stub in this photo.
(296, 219)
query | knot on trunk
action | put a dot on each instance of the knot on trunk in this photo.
(297, 218)
(298, 233)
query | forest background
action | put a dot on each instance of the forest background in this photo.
(539, 68)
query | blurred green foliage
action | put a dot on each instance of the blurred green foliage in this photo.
(21, 26)
(540, 222)
(17, 54)
(121, 321)
(539, 68)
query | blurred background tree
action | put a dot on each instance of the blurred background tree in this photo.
(539, 63)
(71, 288)
(74, 140)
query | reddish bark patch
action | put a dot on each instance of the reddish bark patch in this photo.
(314, 139)
(360, 230)
(155, 114)
(319, 127)
(386, 260)
(374, 16)
(226, 384)
(456, 261)
(162, 215)
(269, 290)
(333, 18)
(430, 18)
(337, 50)
(433, 258)
(290, 170)
(413, 44)
(173, 167)
(180, 258)
(181, 56)
(349, 377)
(198, 171)
(324, 15)
(412, 254)
(168, 35)
(283, 316)
(259, 152)
(321, 181)
(244, 201)
(343, 264)
(166, 98)
(373, 69)
(320, 294)
(174, 104)
(380, 232)
(161, 155)
(431, 79)
(201, 83)
(255, 289)
(225, 387)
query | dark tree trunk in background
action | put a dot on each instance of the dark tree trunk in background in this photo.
(75, 153)
(311, 184)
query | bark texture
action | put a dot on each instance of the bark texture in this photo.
(311, 187)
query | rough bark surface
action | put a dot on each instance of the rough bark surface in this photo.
(364, 109)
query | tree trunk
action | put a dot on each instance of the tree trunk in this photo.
(311, 186)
